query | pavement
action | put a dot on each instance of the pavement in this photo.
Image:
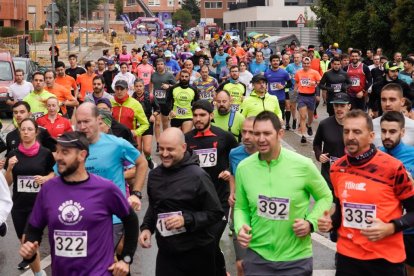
(144, 259)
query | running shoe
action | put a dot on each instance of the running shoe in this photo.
(303, 140)
(150, 163)
(287, 127)
(294, 124)
(3, 229)
(310, 131)
(23, 265)
(158, 148)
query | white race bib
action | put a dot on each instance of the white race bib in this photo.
(163, 229)
(273, 86)
(181, 111)
(71, 244)
(336, 87)
(206, 95)
(355, 215)
(160, 94)
(305, 82)
(26, 184)
(235, 107)
(355, 81)
(207, 157)
(273, 208)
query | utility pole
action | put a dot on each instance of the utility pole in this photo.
(80, 16)
(106, 16)
(68, 22)
(87, 29)
(53, 35)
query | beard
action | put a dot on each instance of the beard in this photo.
(222, 110)
(203, 127)
(389, 144)
(184, 82)
(69, 169)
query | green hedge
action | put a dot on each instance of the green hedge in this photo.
(8, 31)
(36, 36)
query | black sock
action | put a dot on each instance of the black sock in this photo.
(287, 115)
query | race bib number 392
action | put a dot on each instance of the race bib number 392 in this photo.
(274, 208)
(27, 184)
(356, 215)
(71, 244)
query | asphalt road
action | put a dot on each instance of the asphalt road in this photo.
(144, 260)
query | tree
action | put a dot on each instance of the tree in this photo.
(184, 16)
(119, 8)
(193, 6)
(403, 20)
(74, 10)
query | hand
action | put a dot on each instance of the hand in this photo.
(301, 228)
(325, 222)
(2, 162)
(279, 86)
(133, 134)
(165, 86)
(12, 162)
(135, 202)
(152, 119)
(370, 113)
(231, 200)
(39, 179)
(119, 268)
(174, 222)
(378, 230)
(360, 94)
(28, 249)
(145, 239)
(318, 98)
(225, 175)
(172, 114)
(323, 158)
(244, 237)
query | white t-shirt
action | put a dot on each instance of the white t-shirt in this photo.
(408, 138)
(19, 91)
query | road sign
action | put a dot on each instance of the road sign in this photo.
(300, 25)
(55, 14)
(301, 20)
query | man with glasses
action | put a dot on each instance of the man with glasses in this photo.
(219, 60)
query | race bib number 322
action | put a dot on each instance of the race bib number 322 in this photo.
(71, 244)
(356, 215)
(274, 208)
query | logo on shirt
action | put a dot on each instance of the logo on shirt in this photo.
(70, 212)
(355, 186)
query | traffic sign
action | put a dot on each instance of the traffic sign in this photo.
(301, 20)
(52, 11)
(301, 25)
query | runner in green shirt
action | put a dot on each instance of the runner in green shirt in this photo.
(38, 97)
(272, 215)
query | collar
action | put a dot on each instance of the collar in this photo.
(362, 158)
(394, 151)
(205, 133)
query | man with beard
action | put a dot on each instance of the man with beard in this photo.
(226, 117)
(206, 84)
(334, 81)
(391, 76)
(84, 204)
(360, 77)
(183, 209)
(212, 145)
(392, 131)
(372, 190)
(98, 91)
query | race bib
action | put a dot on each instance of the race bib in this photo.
(37, 115)
(235, 107)
(336, 87)
(163, 229)
(305, 82)
(332, 159)
(355, 215)
(160, 94)
(145, 75)
(181, 111)
(71, 244)
(207, 157)
(273, 86)
(355, 81)
(273, 208)
(206, 95)
(26, 184)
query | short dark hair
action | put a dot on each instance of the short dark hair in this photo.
(353, 51)
(409, 60)
(73, 56)
(31, 120)
(123, 63)
(273, 57)
(234, 67)
(344, 56)
(88, 64)
(38, 73)
(98, 78)
(60, 64)
(408, 104)
(393, 116)
(395, 87)
(159, 60)
(204, 105)
(19, 70)
(269, 116)
(19, 103)
(228, 58)
(335, 59)
(51, 71)
(358, 113)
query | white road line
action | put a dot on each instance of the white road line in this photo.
(286, 145)
(324, 241)
(322, 272)
(43, 264)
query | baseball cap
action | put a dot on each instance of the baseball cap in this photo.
(198, 49)
(74, 139)
(105, 101)
(110, 62)
(258, 77)
(335, 45)
(121, 83)
(341, 98)
(167, 54)
(391, 65)
(203, 104)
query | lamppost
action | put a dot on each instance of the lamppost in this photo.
(68, 22)
(79, 29)
(87, 19)
(32, 10)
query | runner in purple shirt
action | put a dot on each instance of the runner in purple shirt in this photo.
(77, 208)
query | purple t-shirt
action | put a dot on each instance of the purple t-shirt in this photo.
(79, 221)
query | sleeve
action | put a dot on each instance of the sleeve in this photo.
(68, 95)
(317, 142)
(50, 162)
(68, 126)
(373, 101)
(46, 140)
(169, 101)
(403, 187)
(317, 187)
(241, 207)
(130, 153)
(114, 81)
(368, 77)
(150, 219)
(277, 111)
(141, 119)
(323, 83)
(38, 217)
(73, 83)
(130, 223)
(5, 199)
(115, 201)
(211, 211)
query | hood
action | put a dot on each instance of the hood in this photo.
(188, 160)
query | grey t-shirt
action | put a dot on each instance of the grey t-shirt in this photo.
(158, 79)
(408, 138)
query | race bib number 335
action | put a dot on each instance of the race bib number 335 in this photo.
(71, 244)
(356, 215)
(273, 208)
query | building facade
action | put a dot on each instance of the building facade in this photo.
(163, 9)
(13, 13)
(213, 10)
(36, 13)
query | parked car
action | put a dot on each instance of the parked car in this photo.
(28, 66)
(6, 79)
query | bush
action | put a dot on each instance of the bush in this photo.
(36, 36)
(8, 31)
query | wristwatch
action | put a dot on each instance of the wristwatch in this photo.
(127, 259)
(138, 194)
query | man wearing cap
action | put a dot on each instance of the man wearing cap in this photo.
(391, 76)
(77, 208)
(98, 91)
(212, 145)
(259, 99)
(127, 110)
(197, 55)
(171, 65)
(328, 144)
(109, 76)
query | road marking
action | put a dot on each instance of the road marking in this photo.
(286, 145)
(43, 264)
(324, 241)
(322, 272)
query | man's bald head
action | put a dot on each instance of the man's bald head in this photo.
(87, 121)
(172, 146)
(88, 107)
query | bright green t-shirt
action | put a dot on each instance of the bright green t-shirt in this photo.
(37, 102)
(222, 121)
(183, 97)
(271, 196)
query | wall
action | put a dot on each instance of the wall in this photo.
(13, 15)
(309, 35)
(40, 6)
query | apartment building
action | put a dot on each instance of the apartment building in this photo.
(13, 13)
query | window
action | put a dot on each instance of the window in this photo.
(213, 5)
(291, 2)
(170, 3)
(153, 2)
(45, 9)
(6, 71)
(131, 3)
(229, 4)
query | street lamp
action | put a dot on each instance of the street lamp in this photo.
(68, 22)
